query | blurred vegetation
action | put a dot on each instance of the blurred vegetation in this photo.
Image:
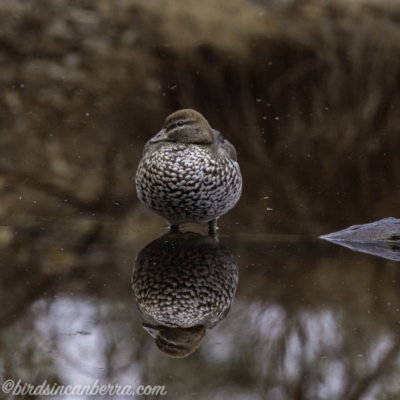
(308, 92)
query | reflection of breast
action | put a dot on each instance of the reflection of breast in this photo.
(184, 280)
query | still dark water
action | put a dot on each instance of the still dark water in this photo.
(309, 319)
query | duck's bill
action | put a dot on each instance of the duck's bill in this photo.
(162, 135)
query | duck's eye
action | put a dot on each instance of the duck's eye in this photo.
(180, 123)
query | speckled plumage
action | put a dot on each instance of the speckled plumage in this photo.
(189, 172)
(184, 280)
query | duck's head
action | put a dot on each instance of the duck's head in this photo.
(186, 126)
(176, 342)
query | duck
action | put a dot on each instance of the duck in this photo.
(189, 172)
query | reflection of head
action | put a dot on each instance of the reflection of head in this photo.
(176, 342)
(183, 284)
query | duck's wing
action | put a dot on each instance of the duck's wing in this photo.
(226, 145)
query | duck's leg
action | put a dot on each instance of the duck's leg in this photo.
(212, 227)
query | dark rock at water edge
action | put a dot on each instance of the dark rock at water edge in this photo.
(380, 238)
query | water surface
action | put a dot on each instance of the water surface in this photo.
(310, 319)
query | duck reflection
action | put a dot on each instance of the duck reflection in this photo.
(184, 284)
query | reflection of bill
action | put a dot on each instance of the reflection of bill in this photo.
(184, 283)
